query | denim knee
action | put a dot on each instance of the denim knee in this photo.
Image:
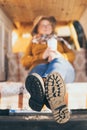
(54, 60)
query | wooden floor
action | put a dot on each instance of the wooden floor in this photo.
(43, 121)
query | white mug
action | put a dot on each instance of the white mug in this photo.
(52, 43)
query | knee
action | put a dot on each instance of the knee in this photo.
(54, 60)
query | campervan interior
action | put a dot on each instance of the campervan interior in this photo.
(16, 20)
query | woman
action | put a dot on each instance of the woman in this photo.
(48, 59)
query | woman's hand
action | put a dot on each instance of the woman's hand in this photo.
(46, 53)
(52, 55)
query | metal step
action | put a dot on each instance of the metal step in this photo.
(43, 121)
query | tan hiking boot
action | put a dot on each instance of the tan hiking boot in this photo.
(55, 92)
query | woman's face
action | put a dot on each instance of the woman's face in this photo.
(45, 27)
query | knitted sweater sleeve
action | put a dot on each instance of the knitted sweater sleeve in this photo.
(28, 59)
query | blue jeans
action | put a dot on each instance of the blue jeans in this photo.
(60, 65)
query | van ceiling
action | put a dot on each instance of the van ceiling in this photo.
(24, 11)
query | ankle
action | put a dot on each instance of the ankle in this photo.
(44, 79)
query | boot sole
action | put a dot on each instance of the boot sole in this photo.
(55, 92)
(35, 86)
